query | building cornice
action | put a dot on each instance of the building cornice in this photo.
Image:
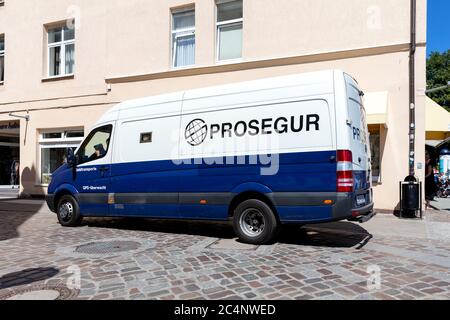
(264, 63)
(81, 105)
(55, 98)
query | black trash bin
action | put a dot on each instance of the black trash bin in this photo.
(410, 198)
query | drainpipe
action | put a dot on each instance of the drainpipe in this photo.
(412, 91)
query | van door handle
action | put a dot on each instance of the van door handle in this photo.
(103, 169)
(359, 160)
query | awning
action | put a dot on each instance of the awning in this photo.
(376, 105)
(436, 117)
(433, 143)
(437, 143)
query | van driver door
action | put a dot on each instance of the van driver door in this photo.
(92, 175)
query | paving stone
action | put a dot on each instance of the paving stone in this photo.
(221, 294)
(433, 290)
(441, 284)
(420, 285)
(324, 293)
(304, 297)
(320, 286)
(192, 287)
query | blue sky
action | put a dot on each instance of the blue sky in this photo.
(438, 38)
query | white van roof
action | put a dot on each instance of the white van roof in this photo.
(320, 80)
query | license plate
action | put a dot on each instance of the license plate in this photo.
(360, 200)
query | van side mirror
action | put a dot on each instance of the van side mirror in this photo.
(71, 158)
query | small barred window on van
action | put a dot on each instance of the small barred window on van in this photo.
(146, 137)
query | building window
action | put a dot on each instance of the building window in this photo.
(61, 51)
(229, 30)
(183, 38)
(52, 146)
(2, 59)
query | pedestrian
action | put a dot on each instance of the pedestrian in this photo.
(14, 173)
(430, 186)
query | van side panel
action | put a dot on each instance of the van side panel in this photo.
(278, 127)
(295, 154)
(280, 136)
(287, 146)
(142, 187)
(152, 188)
(298, 173)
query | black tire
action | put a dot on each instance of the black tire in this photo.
(68, 212)
(248, 218)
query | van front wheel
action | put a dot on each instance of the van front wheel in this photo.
(254, 222)
(68, 211)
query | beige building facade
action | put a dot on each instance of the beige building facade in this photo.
(66, 62)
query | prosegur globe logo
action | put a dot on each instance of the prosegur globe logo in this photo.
(196, 132)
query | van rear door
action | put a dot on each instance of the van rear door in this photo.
(359, 142)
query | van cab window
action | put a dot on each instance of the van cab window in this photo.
(96, 145)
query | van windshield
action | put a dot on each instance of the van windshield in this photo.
(96, 145)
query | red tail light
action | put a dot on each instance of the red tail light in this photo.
(344, 179)
(344, 156)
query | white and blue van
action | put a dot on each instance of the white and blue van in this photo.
(283, 150)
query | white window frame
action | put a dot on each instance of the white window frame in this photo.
(62, 142)
(180, 33)
(2, 54)
(227, 23)
(62, 44)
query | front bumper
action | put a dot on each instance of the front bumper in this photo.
(50, 199)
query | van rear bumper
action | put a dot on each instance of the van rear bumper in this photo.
(310, 207)
(344, 209)
(363, 216)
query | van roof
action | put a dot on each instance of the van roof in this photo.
(316, 77)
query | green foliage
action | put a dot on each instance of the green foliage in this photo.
(438, 74)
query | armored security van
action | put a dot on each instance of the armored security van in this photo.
(283, 150)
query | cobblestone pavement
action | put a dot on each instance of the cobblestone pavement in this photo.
(147, 259)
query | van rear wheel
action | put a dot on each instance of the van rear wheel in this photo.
(68, 211)
(254, 222)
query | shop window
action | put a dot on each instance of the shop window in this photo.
(53, 146)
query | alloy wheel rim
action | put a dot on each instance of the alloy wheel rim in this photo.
(252, 222)
(66, 211)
